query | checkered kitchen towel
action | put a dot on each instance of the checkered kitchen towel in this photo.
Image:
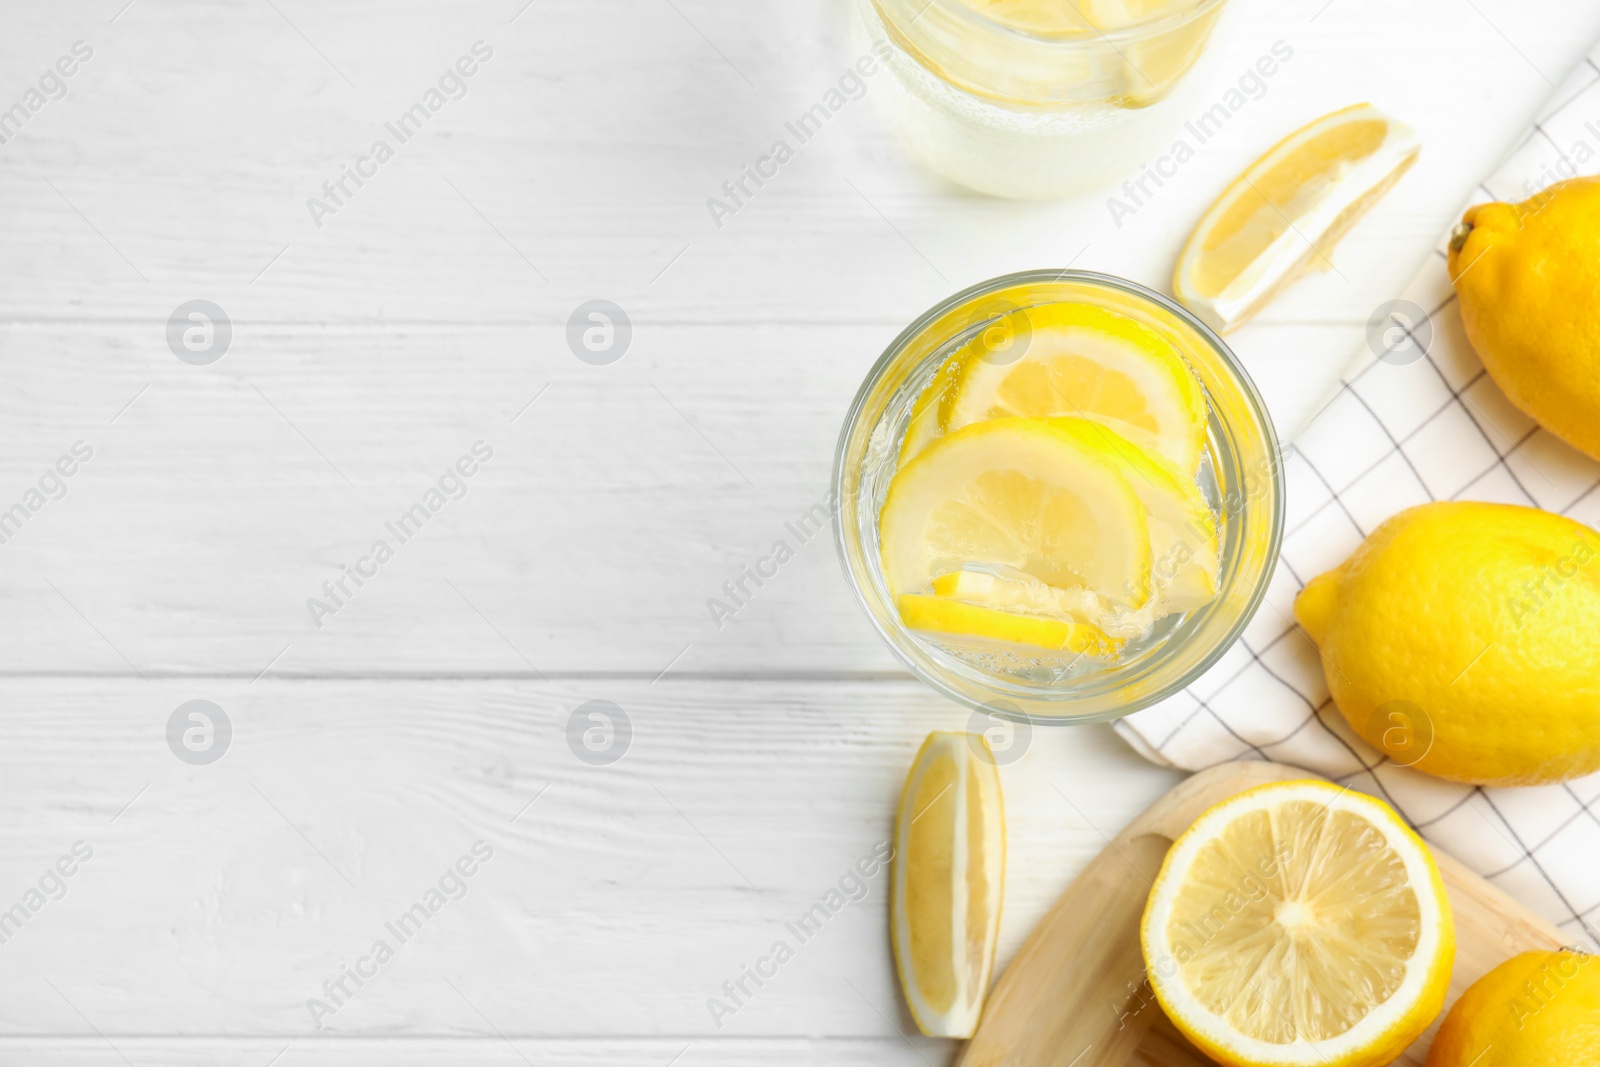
(1420, 424)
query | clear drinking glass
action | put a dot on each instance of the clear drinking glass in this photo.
(1036, 98)
(1241, 477)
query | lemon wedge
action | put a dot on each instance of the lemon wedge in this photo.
(1288, 210)
(1020, 494)
(1079, 359)
(941, 615)
(1299, 924)
(948, 882)
(1183, 532)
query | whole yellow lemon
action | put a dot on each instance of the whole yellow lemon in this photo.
(1528, 278)
(1463, 639)
(1539, 1009)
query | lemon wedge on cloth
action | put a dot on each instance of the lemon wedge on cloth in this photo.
(948, 882)
(1299, 924)
(1288, 210)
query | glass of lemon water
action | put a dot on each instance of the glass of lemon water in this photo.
(1060, 496)
(1036, 98)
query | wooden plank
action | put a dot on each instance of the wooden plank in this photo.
(1079, 988)
(491, 1050)
(586, 148)
(220, 499)
(619, 899)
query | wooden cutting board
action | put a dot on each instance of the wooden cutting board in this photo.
(1075, 994)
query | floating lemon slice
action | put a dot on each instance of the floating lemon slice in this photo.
(1019, 593)
(1288, 210)
(1085, 18)
(1299, 924)
(1082, 360)
(1020, 494)
(948, 882)
(937, 614)
(1183, 532)
(924, 427)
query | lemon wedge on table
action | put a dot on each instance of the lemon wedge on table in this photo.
(1020, 494)
(1288, 210)
(1071, 359)
(948, 882)
(1299, 924)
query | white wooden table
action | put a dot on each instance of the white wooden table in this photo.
(430, 708)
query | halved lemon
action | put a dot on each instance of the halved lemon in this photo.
(1021, 494)
(1083, 360)
(1299, 924)
(941, 615)
(1288, 210)
(1183, 531)
(948, 882)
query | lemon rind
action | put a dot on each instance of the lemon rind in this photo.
(962, 1020)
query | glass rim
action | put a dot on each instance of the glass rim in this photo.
(958, 9)
(1241, 377)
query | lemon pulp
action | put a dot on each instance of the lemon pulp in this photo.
(1326, 942)
(1299, 923)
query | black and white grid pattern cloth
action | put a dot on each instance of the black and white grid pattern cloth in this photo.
(1413, 426)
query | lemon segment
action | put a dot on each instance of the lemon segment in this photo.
(1082, 360)
(948, 882)
(1183, 531)
(1288, 210)
(937, 614)
(1018, 594)
(1299, 924)
(1019, 494)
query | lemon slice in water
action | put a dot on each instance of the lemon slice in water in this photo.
(1081, 360)
(937, 614)
(1183, 532)
(1019, 494)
